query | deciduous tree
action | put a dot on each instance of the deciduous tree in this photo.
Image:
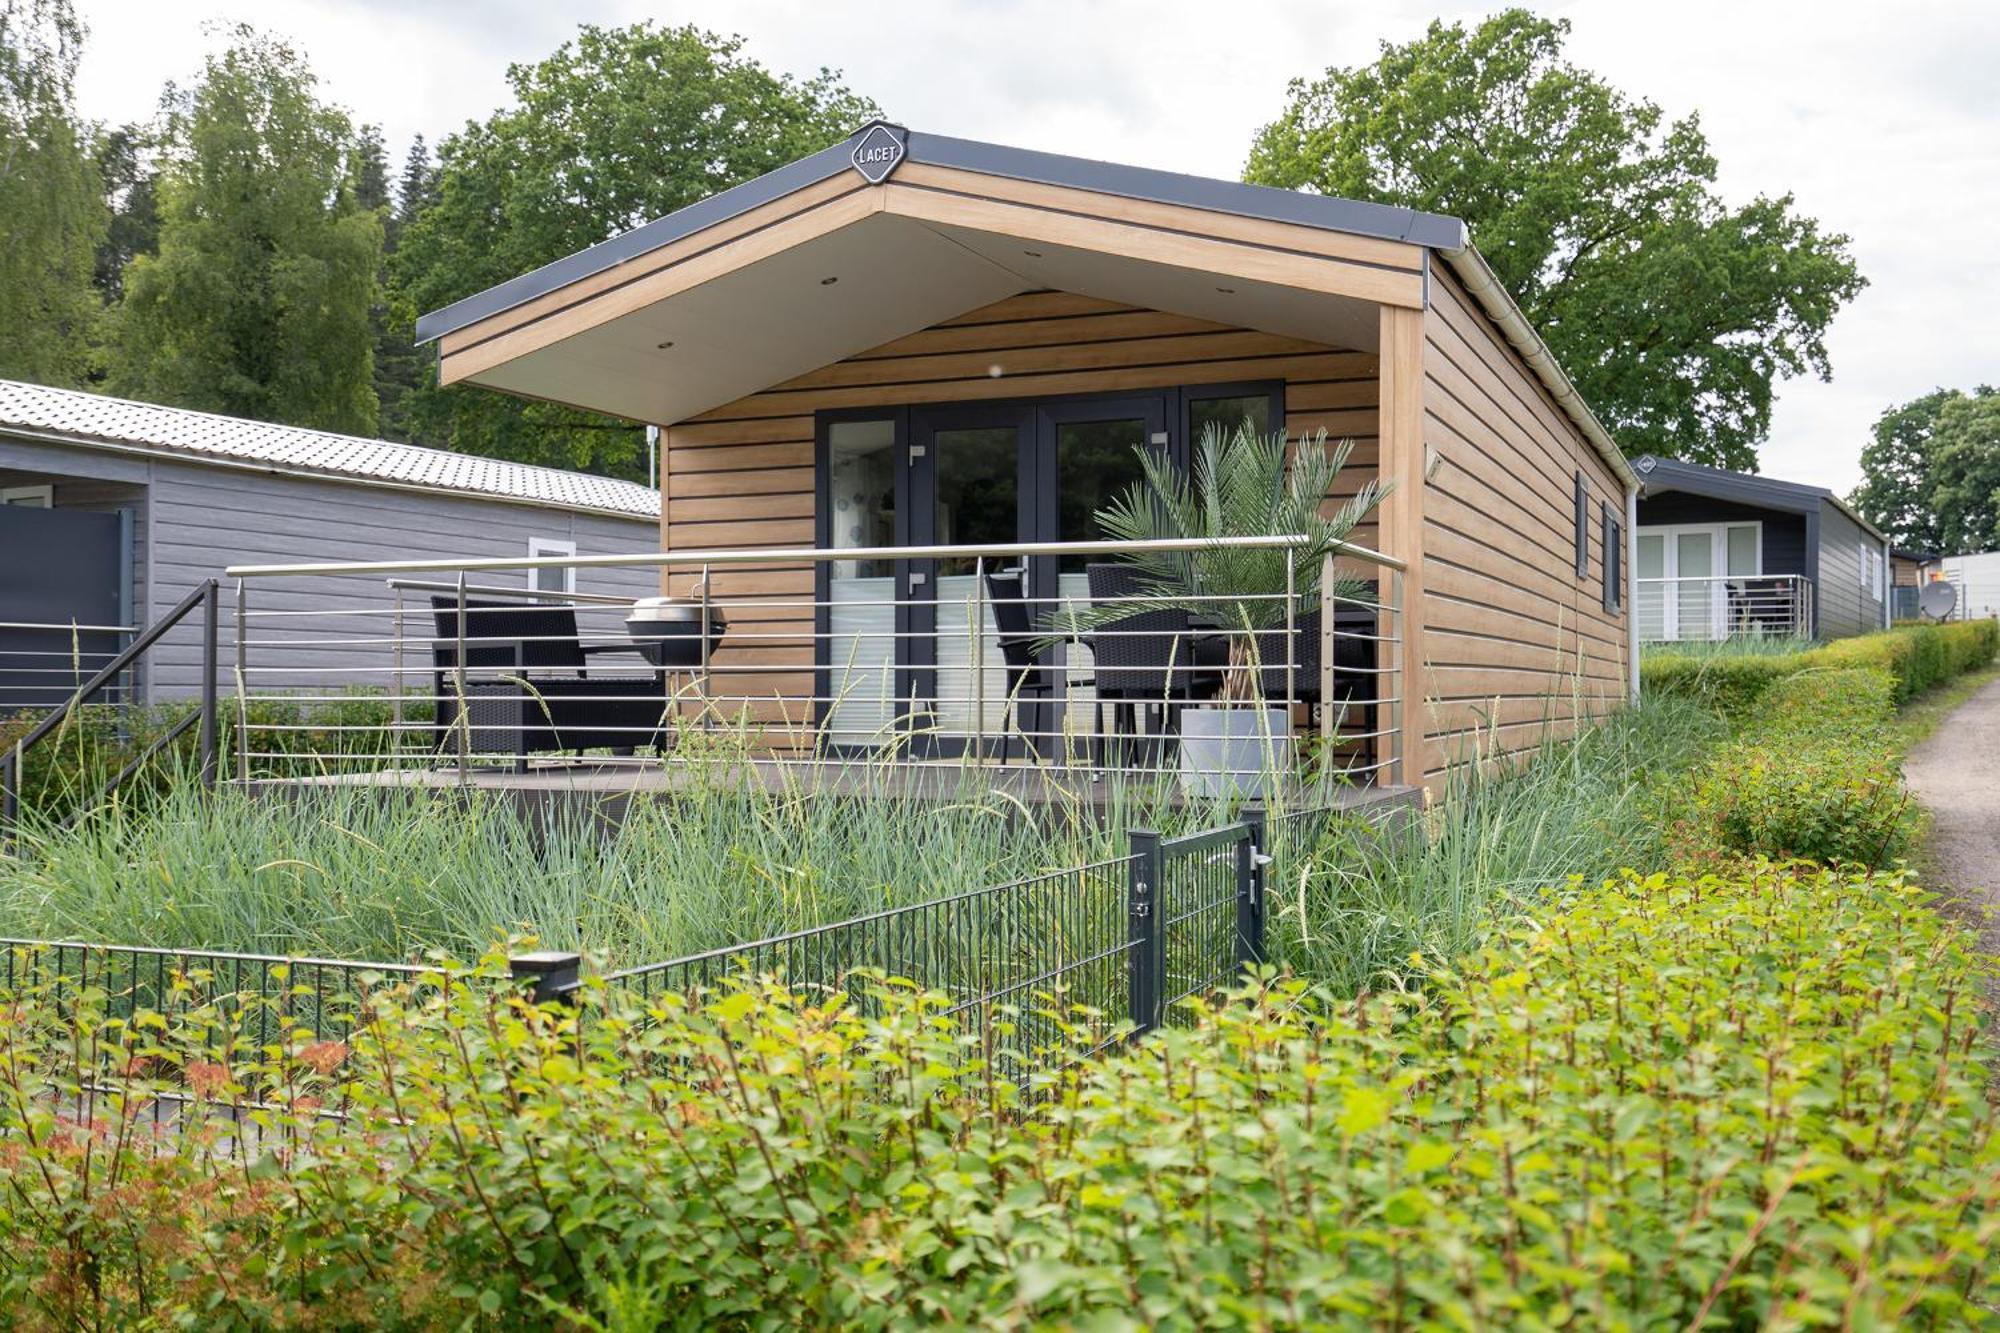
(1929, 475)
(1965, 473)
(51, 210)
(1673, 311)
(617, 127)
(257, 303)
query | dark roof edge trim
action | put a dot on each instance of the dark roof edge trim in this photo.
(643, 239)
(1754, 489)
(1356, 217)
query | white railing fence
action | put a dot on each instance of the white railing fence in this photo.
(1061, 655)
(1724, 607)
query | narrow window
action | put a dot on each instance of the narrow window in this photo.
(1614, 561)
(1582, 527)
(559, 579)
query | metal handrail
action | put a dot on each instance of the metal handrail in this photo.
(12, 764)
(807, 555)
(492, 590)
(68, 624)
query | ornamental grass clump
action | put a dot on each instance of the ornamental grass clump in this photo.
(1728, 1103)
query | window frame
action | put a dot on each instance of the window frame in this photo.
(1614, 560)
(1582, 499)
(39, 496)
(541, 547)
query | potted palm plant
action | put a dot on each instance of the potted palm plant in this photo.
(1241, 487)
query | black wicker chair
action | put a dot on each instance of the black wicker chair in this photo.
(1355, 667)
(1150, 660)
(527, 688)
(1030, 680)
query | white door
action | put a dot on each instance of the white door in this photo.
(1697, 563)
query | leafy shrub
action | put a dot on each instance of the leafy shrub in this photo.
(1836, 802)
(1729, 1103)
(1917, 657)
(1814, 778)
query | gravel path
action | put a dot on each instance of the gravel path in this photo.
(1956, 776)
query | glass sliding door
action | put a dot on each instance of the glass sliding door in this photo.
(1652, 597)
(968, 472)
(1697, 594)
(859, 681)
(1089, 456)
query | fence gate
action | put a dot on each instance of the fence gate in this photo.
(1195, 913)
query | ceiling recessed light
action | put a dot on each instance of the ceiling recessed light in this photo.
(1032, 254)
(828, 282)
(1227, 291)
(665, 345)
(994, 371)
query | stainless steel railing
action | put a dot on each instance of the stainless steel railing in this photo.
(836, 656)
(1724, 607)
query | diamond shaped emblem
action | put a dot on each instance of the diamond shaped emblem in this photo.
(877, 154)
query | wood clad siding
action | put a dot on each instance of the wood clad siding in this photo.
(742, 475)
(1513, 640)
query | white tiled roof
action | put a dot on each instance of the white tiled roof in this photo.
(93, 417)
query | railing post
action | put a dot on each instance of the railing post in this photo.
(396, 687)
(464, 718)
(978, 616)
(10, 805)
(1250, 862)
(1327, 610)
(1142, 914)
(1397, 761)
(211, 619)
(242, 687)
(548, 975)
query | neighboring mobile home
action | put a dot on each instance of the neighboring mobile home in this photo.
(116, 510)
(1723, 553)
(910, 339)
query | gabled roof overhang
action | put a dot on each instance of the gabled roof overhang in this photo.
(830, 256)
(817, 262)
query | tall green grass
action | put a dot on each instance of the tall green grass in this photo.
(1354, 912)
(1743, 645)
(389, 873)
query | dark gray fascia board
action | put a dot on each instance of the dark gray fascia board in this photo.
(1359, 218)
(1381, 221)
(1743, 487)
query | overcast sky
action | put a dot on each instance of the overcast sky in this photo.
(1884, 120)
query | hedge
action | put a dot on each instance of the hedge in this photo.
(1735, 1103)
(1916, 657)
(1814, 777)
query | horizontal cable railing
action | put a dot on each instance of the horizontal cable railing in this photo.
(1073, 657)
(1723, 607)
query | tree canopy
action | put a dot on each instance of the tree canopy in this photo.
(257, 302)
(1673, 311)
(52, 213)
(1931, 474)
(617, 127)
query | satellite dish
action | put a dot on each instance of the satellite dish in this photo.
(1938, 600)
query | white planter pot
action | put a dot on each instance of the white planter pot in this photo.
(1234, 751)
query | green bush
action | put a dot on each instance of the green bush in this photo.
(1917, 657)
(1815, 777)
(1847, 702)
(1836, 802)
(1719, 1103)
